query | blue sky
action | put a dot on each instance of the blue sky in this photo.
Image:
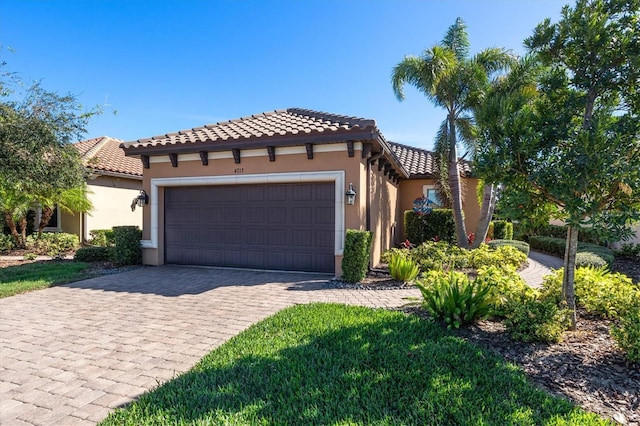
(172, 65)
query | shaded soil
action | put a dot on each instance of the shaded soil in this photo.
(630, 266)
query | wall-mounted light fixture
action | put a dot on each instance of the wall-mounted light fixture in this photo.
(141, 200)
(351, 195)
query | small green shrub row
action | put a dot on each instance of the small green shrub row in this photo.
(127, 249)
(52, 243)
(588, 254)
(520, 245)
(6, 243)
(102, 237)
(437, 225)
(357, 252)
(585, 235)
(94, 254)
(502, 230)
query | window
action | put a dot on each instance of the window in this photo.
(54, 224)
(429, 192)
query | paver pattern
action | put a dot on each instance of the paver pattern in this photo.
(71, 354)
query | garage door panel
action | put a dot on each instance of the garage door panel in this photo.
(281, 226)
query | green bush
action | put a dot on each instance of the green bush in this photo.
(502, 230)
(102, 237)
(127, 249)
(597, 290)
(52, 243)
(491, 231)
(584, 259)
(6, 243)
(556, 246)
(436, 256)
(536, 320)
(454, 298)
(520, 245)
(627, 333)
(389, 254)
(357, 252)
(437, 225)
(403, 269)
(94, 254)
(504, 256)
(506, 284)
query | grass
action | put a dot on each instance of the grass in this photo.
(39, 275)
(339, 365)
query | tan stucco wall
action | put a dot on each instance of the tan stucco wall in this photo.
(412, 189)
(191, 166)
(385, 208)
(111, 199)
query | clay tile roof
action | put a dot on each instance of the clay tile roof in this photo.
(104, 153)
(420, 162)
(278, 123)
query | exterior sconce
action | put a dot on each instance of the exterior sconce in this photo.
(141, 200)
(351, 195)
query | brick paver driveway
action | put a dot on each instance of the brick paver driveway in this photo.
(72, 353)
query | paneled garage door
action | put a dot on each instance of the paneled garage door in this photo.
(280, 226)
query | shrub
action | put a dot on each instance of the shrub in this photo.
(502, 230)
(127, 245)
(520, 245)
(357, 252)
(455, 298)
(627, 333)
(506, 284)
(505, 256)
(536, 320)
(403, 269)
(52, 243)
(597, 290)
(102, 237)
(94, 254)
(556, 246)
(6, 243)
(491, 231)
(437, 255)
(585, 259)
(439, 224)
(388, 254)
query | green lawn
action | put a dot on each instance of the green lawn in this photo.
(35, 276)
(333, 364)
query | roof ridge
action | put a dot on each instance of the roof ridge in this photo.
(415, 148)
(101, 142)
(331, 116)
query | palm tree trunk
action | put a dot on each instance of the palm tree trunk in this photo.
(456, 187)
(486, 213)
(45, 217)
(19, 237)
(568, 289)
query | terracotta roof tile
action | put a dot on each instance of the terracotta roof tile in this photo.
(420, 162)
(285, 122)
(104, 153)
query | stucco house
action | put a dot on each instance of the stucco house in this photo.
(114, 181)
(268, 191)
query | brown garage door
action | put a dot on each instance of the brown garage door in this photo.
(282, 226)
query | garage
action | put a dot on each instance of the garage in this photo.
(289, 226)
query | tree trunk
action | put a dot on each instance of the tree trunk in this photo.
(568, 289)
(20, 242)
(45, 217)
(456, 188)
(486, 213)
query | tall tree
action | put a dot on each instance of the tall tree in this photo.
(453, 80)
(38, 165)
(578, 145)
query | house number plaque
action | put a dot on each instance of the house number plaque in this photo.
(238, 170)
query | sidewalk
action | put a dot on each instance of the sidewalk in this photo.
(540, 264)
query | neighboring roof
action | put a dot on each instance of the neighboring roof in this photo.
(274, 127)
(420, 162)
(104, 154)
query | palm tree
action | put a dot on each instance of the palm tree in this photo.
(451, 79)
(70, 200)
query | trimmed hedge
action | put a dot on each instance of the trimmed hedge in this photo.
(502, 230)
(102, 237)
(127, 245)
(94, 254)
(439, 224)
(588, 254)
(520, 245)
(357, 252)
(585, 235)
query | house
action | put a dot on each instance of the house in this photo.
(268, 191)
(114, 180)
